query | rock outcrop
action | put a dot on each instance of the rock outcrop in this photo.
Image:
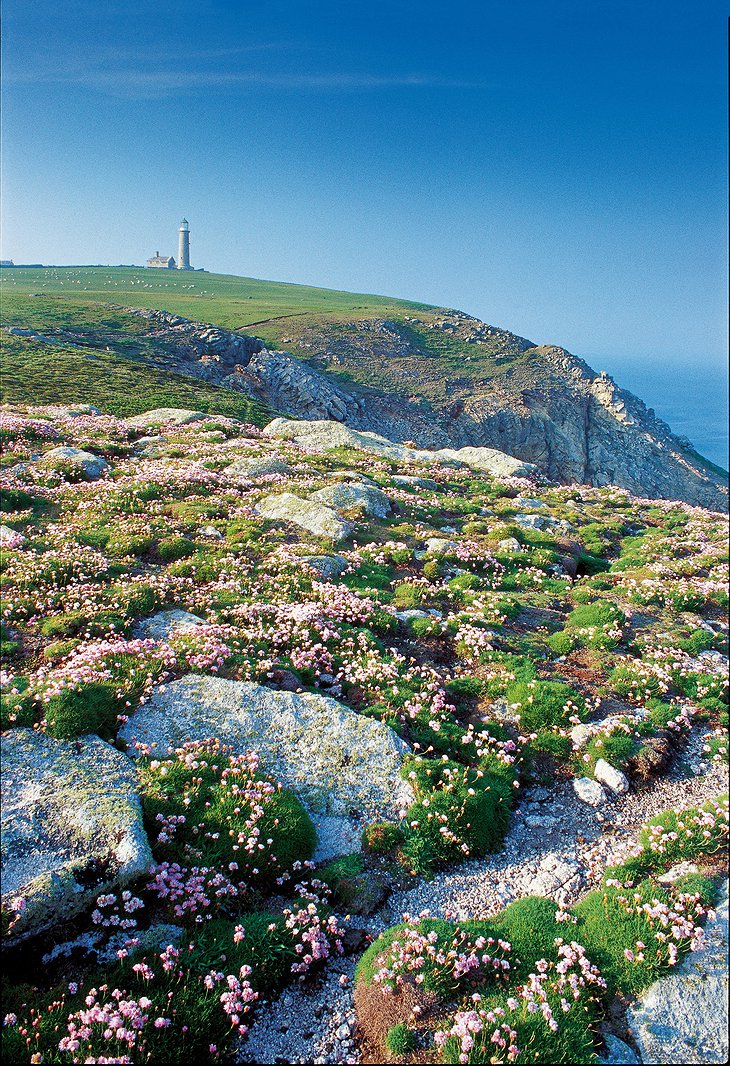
(324, 435)
(684, 1017)
(311, 515)
(338, 762)
(72, 827)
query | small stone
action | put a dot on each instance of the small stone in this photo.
(674, 873)
(538, 821)
(611, 777)
(589, 791)
(580, 735)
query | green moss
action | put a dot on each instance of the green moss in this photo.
(91, 708)
(530, 927)
(400, 1041)
(172, 548)
(561, 643)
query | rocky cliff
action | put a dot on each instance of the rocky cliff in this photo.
(448, 380)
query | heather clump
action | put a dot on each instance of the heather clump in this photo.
(218, 826)
(547, 1019)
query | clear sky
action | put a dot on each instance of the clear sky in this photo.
(556, 168)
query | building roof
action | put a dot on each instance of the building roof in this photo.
(160, 261)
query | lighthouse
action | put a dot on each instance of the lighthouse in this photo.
(183, 246)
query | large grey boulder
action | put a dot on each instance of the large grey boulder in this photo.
(337, 762)
(166, 624)
(71, 827)
(252, 467)
(365, 498)
(323, 435)
(166, 416)
(684, 1017)
(87, 464)
(311, 515)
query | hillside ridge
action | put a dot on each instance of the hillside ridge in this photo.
(438, 378)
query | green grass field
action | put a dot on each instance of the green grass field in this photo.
(226, 300)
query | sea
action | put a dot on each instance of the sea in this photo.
(691, 399)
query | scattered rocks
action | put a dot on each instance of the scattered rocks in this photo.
(327, 567)
(408, 481)
(311, 515)
(441, 546)
(166, 416)
(364, 498)
(253, 467)
(166, 624)
(337, 762)
(72, 826)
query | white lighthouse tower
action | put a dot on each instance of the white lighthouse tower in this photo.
(183, 246)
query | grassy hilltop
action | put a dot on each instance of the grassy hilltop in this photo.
(410, 371)
(229, 301)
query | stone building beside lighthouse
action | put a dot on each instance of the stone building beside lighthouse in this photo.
(167, 262)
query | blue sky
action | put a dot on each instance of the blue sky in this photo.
(557, 169)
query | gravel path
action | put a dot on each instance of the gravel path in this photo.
(556, 846)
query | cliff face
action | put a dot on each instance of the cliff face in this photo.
(447, 380)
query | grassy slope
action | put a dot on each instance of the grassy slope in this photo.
(123, 382)
(42, 373)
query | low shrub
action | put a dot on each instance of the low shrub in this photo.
(382, 837)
